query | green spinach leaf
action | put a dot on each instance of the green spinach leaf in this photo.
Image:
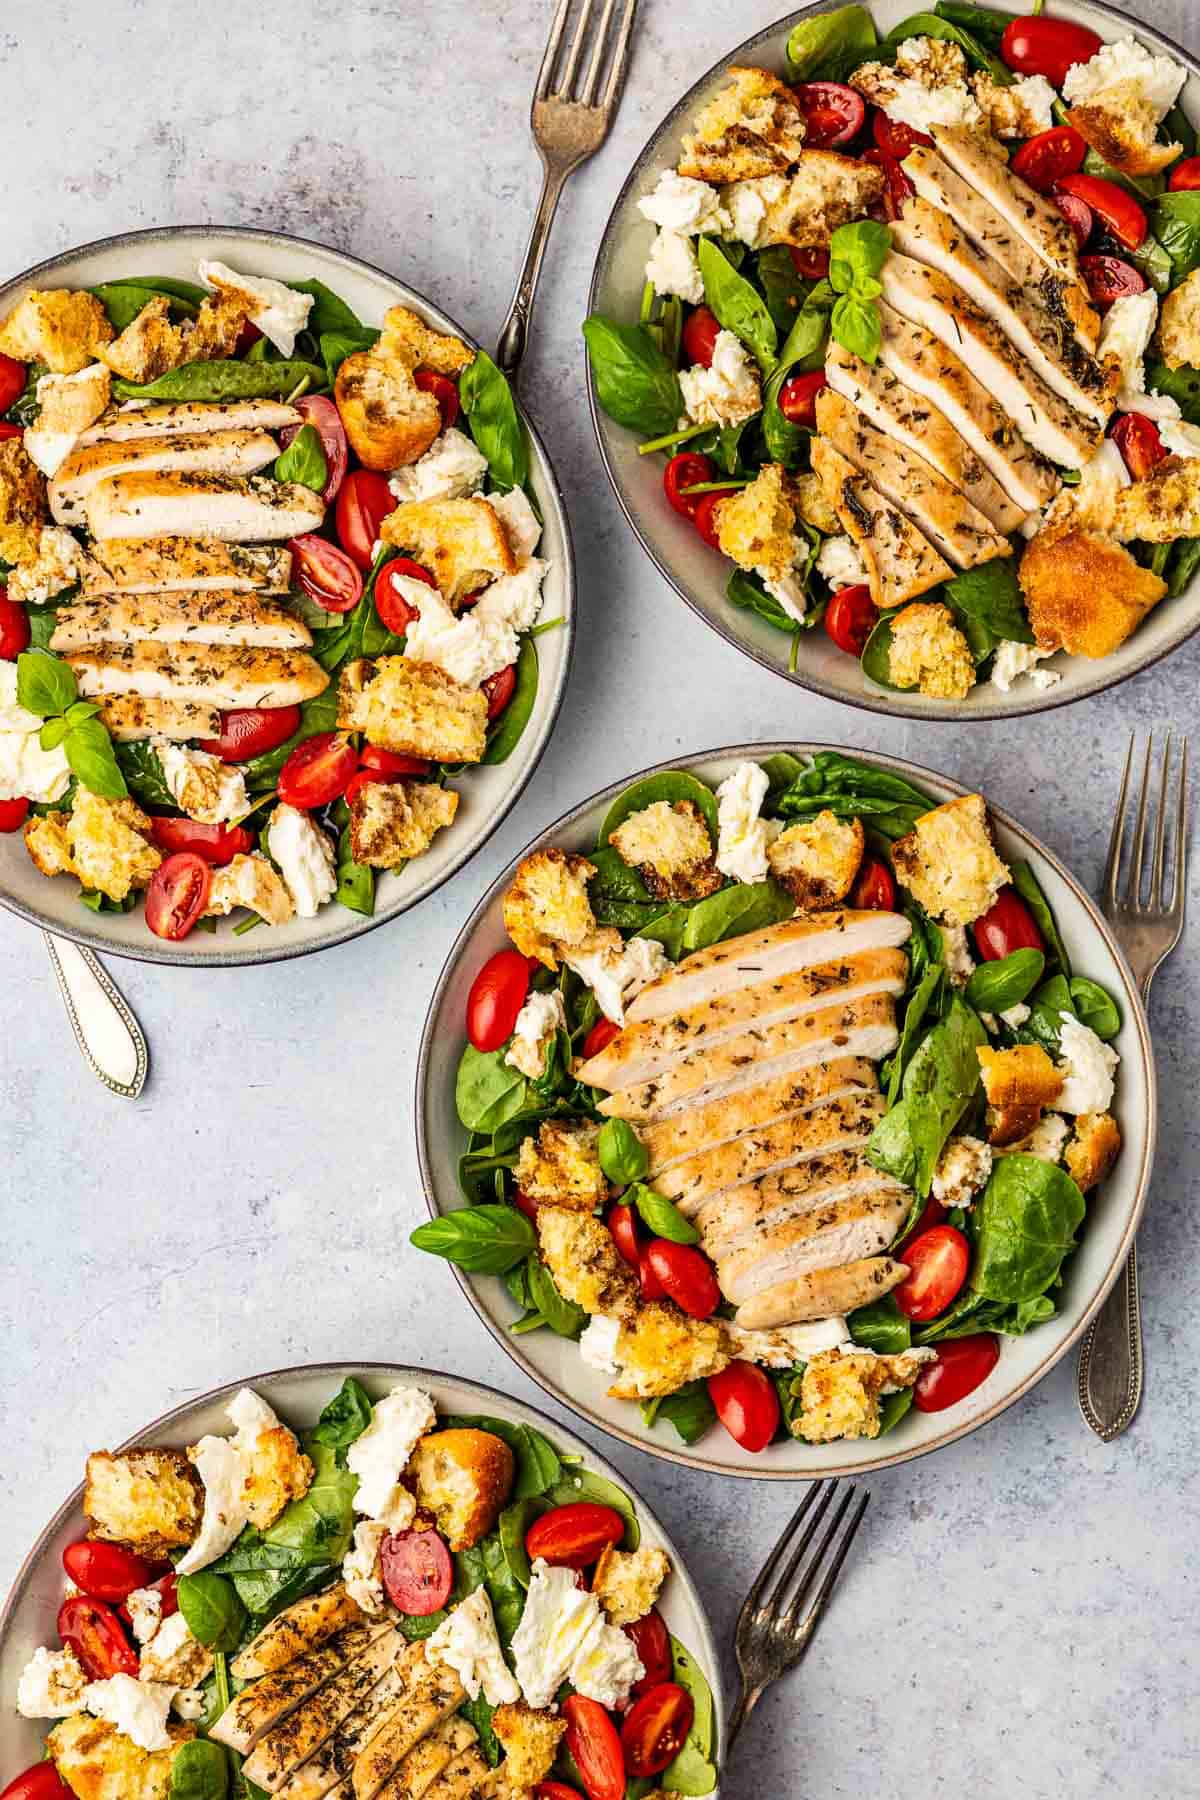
(580, 1484)
(783, 289)
(1096, 1007)
(497, 427)
(1027, 1219)
(138, 762)
(487, 1090)
(199, 1771)
(988, 605)
(538, 1464)
(336, 346)
(828, 46)
(636, 383)
(693, 1771)
(738, 305)
(563, 1317)
(1181, 385)
(124, 300)
(995, 986)
(328, 311)
(1175, 223)
(485, 1240)
(747, 592)
(214, 1614)
(938, 1086)
(803, 351)
(270, 1569)
(929, 24)
(690, 1410)
(919, 1002)
(744, 906)
(507, 731)
(345, 1417)
(1027, 885)
(881, 1327)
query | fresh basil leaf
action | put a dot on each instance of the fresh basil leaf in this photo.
(995, 986)
(91, 759)
(1028, 1215)
(1095, 1007)
(881, 1326)
(1026, 884)
(563, 1317)
(855, 324)
(622, 1154)
(939, 1084)
(509, 727)
(738, 305)
(1175, 223)
(45, 684)
(345, 1417)
(827, 46)
(635, 382)
(690, 1410)
(214, 1614)
(199, 1771)
(215, 381)
(662, 1217)
(303, 460)
(53, 732)
(485, 1240)
(491, 411)
(861, 248)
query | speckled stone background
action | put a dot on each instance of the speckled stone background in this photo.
(1019, 1617)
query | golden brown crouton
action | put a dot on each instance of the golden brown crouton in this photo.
(151, 1500)
(1179, 324)
(22, 503)
(1162, 506)
(1121, 126)
(840, 1392)
(98, 1762)
(1084, 593)
(149, 345)
(818, 859)
(393, 821)
(752, 127)
(930, 653)
(1006, 112)
(464, 1477)
(1093, 1150)
(671, 849)
(62, 329)
(105, 843)
(461, 542)
(627, 1583)
(530, 1742)
(251, 881)
(390, 420)
(560, 1166)
(949, 863)
(1018, 1083)
(413, 708)
(279, 1473)
(812, 503)
(805, 208)
(215, 331)
(54, 568)
(69, 403)
(547, 906)
(46, 841)
(661, 1348)
(587, 1267)
(756, 526)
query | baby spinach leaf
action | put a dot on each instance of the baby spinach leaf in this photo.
(661, 1216)
(328, 312)
(1153, 262)
(617, 893)
(563, 1317)
(336, 346)
(1184, 562)
(987, 602)
(689, 1409)
(738, 305)
(497, 427)
(827, 46)
(742, 907)
(783, 289)
(747, 592)
(199, 1771)
(506, 733)
(487, 1090)
(623, 1156)
(1096, 1007)
(1048, 1004)
(485, 1240)
(984, 21)
(480, 1713)
(919, 1002)
(124, 300)
(513, 1524)
(271, 1569)
(224, 381)
(881, 1326)
(580, 1484)
(893, 1407)
(803, 351)
(693, 1771)
(345, 1417)
(355, 881)
(212, 1609)
(1027, 1219)
(672, 785)
(636, 383)
(995, 986)
(303, 460)
(1026, 884)
(938, 1086)
(929, 24)
(1175, 222)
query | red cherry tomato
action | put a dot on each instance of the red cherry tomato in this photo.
(417, 1571)
(1006, 926)
(1077, 214)
(325, 573)
(623, 1225)
(318, 770)
(107, 1571)
(798, 397)
(599, 1037)
(874, 887)
(895, 139)
(573, 1536)
(177, 895)
(525, 1205)
(592, 1739)
(168, 1587)
(1119, 210)
(851, 617)
(703, 518)
(652, 1288)
(1136, 437)
(363, 503)
(1046, 158)
(686, 1276)
(1049, 47)
(388, 763)
(700, 331)
(937, 1263)
(9, 430)
(652, 1641)
(747, 1406)
(811, 265)
(898, 188)
(1110, 278)
(12, 382)
(960, 1367)
(500, 689)
(359, 780)
(247, 337)
(833, 113)
(444, 392)
(251, 731)
(217, 844)
(319, 411)
(94, 1633)
(545, 1790)
(932, 1213)
(397, 612)
(14, 629)
(13, 814)
(656, 1728)
(497, 996)
(683, 471)
(1185, 175)
(43, 1782)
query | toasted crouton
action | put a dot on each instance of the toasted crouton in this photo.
(1121, 126)
(671, 849)
(932, 63)
(464, 1477)
(149, 345)
(1093, 1150)
(661, 1348)
(390, 420)
(587, 1267)
(70, 403)
(393, 821)
(54, 568)
(756, 526)
(407, 336)
(1179, 324)
(99, 1762)
(627, 1583)
(150, 1500)
(930, 653)
(62, 329)
(253, 882)
(22, 503)
(812, 503)
(840, 1392)
(547, 906)
(752, 127)
(46, 841)
(461, 542)
(413, 708)
(805, 208)
(104, 843)
(279, 1472)
(1019, 1084)
(560, 1166)
(818, 859)
(1084, 593)
(1006, 111)
(530, 1742)
(949, 863)
(1162, 506)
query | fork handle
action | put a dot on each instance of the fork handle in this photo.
(110, 1038)
(514, 336)
(1111, 1362)
(747, 1700)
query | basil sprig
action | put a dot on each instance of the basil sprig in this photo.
(856, 254)
(304, 460)
(662, 1216)
(485, 1240)
(622, 1154)
(46, 686)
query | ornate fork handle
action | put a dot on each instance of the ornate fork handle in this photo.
(514, 336)
(110, 1038)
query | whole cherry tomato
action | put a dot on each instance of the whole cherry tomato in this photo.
(874, 887)
(12, 381)
(363, 503)
(14, 629)
(652, 1641)
(251, 731)
(1077, 214)
(500, 689)
(93, 1631)
(932, 1213)
(217, 844)
(1006, 926)
(444, 392)
(651, 1287)
(496, 997)
(937, 1267)
(391, 603)
(1118, 209)
(599, 1037)
(1185, 175)
(851, 617)
(318, 770)
(177, 895)
(1046, 158)
(833, 113)
(43, 1782)
(622, 1223)
(656, 1728)
(700, 332)
(1110, 278)
(1136, 437)
(895, 139)
(325, 573)
(319, 411)
(573, 1536)
(1040, 46)
(810, 265)
(703, 518)
(686, 1276)
(798, 397)
(684, 471)
(747, 1406)
(962, 1364)
(107, 1571)
(13, 814)
(386, 763)
(593, 1742)
(417, 1571)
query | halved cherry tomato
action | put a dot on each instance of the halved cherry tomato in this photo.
(319, 411)
(217, 844)
(1110, 278)
(593, 1742)
(363, 503)
(325, 573)
(13, 814)
(1046, 158)
(318, 770)
(1136, 437)
(417, 1571)
(937, 1267)
(651, 1287)
(623, 1226)
(851, 617)
(107, 1571)
(1077, 214)
(747, 1406)
(1049, 47)
(599, 1037)
(14, 629)
(496, 997)
(545, 1790)
(12, 382)
(500, 689)
(444, 392)
(1006, 926)
(525, 1205)
(703, 518)
(833, 113)
(247, 337)
(9, 430)
(798, 397)
(874, 887)
(656, 1728)
(812, 265)
(43, 1782)
(894, 138)
(1185, 175)
(94, 1633)
(251, 731)
(1118, 209)
(897, 187)
(700, 332)
(686, 1276)
(961, 1365)
(932, 1213)
(397, 612)
(652, 1641)
(177, 895)
(572, 1536)
(683, 471)
(387, 762)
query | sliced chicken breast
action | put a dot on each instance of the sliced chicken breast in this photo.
(169, 564)
(212, 617)
(129, 717)
(299, 1628)
(248, 509)
(1034, 218)
(822, 1293)
(214, 674)
(281, 1751)
(925, 365)
(846, 1231)
(258, 1709)
(739, 1219)
(329, 1768)
(706, 1127)
(710, 1175)
(216, 452)
(646, 1047)
(900, 562)
(163, 420)
(467, 1777)
(432, 1695)
(937, 508)
(442, 1754)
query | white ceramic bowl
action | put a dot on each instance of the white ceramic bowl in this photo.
(298, 1395)
(1105, 1238)
(699, 574)
(487, 794)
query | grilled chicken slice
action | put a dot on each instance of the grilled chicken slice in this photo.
(248, 509)
(174, 564)
(821, 1294)
(740, 1219)
(432, 1695)
(130, 717)
(217, 452)
(900, 562)
(467, 1777)
(442, 1754)
(282, 1750)
(936, 374)
(1043, 417)
(708, 1127)
(330, 1766)
(846, 1231)
(937, 508)
(928, 235)
(291, 1633)
(982, 163)
(214, 674)
(258, 1709)
(646, 1047)
(163, 420)
(213, 617)
(707, 1177)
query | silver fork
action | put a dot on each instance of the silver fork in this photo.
(570, 121)
(772, 1633)
(1111, 1360)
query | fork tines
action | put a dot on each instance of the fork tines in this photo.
(817, 1552)
(1144, 880)
(606, 51)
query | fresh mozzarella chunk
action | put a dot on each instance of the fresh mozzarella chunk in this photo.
(28, 772)
(537, 1022)
(144, 1607)
(615, 972)
(202, 786)
(1125, 335)
(223, 1472)
(1045, 1141)
(1087, 1068)
(452, 466)
(278, 311)
(728, 391)
(1177, 437)
(749, 203)
(960, 964)
(598, 1344)
(522, 527)
(467, 1643)
(305, 857)
(674, 268)
(564, 1636)
(137, 1708)
(380, 1456)
(513, 600)
(468, 648)
(52, 1685)
(788, 590)
(839, 561)
(190, 1703)
(1013, 660)
(1156, 79)
(742, 836)
(682, 204)
(962, 1171)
